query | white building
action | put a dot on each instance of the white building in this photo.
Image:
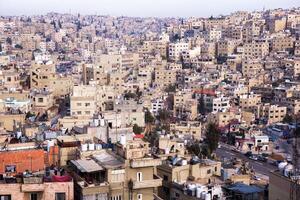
(156, 105)
(176, 49)
(220, 104)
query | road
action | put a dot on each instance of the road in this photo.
(259, 167)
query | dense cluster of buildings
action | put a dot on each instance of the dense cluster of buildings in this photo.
(110, 108)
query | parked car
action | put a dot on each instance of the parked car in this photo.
(257, 178)
(262, 158)
(253, 157)
(248, 154)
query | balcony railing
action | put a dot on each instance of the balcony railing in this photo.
(89, 189)
(33, 180)
(33, 184)
(145, 162)
(155, 182)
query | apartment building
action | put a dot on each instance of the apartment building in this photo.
(250, 102)
(226, 47)
(272, 113)
(277, 24)
(43, 75)
(37, 186)
(165, 77)
(176, 49)
(221, 119)
(256, 49)
(128, 173)
(191, 128)
(282, 43)
(251, 67)
(180, 170)
(83, 101)
(220, 104)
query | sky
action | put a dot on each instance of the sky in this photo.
(142, 8)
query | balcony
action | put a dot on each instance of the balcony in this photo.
(90, 189)
(116, 185)
(145, 162)
(32, 184)
(155, 182)
(33, 180)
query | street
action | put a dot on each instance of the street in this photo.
(258, 166)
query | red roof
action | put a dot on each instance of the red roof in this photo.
(205, 91)
(138, 136)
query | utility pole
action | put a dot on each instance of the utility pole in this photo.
(294, 193)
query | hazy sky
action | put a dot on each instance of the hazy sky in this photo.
(160, 8)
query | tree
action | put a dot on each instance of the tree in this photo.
(129, 95)
(9, 41)
(212, 137)
(138, 93)
(137, 129)
(149, 119)
(59, 24)
(288, 119)
(163, 116)
(170, 88)
(18, 46)
(198, 149)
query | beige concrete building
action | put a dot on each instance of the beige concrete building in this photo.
(35, 187)
(272, 113)
(282, 43)
(187, 128)
(256, 49)
(127, 174)
(251, 67)
(249, 102)
(276, 25)
(200, 173)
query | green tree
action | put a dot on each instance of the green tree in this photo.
(212, 137)
(170, 88)
(288, 119)
(129, 95)
(163, 116)
(9, 41)
(149, 119)
(137, 129)
(198, 149)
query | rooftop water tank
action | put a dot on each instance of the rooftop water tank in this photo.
(91, 146)
(198, 192)
(281, 166)
(123, 139)
(288, 170)
(84, 147)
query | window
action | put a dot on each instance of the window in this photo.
(78, 104)
(40, 100)
(87, 104)
(139, 197)
(119, 197)
(60, 196)
(5, 197)
(208, 171)
(139, 176)
(10, 169)
(165, 178)
(33, 196)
